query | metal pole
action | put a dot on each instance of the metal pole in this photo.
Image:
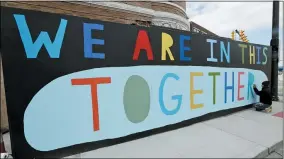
(274, 43)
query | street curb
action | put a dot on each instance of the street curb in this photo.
(275, 147)
(270, 150)
(262, 154)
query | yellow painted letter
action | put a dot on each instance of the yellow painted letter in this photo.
(167, 42)
(243, 46)
(193, 92)
(251, 54)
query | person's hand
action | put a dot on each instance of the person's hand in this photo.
(254, 86)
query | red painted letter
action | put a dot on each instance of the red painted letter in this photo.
(142, 42)
(239, 85)
(93, 82)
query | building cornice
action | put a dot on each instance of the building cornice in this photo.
(173, 4)
(119, 7)
(137, 10)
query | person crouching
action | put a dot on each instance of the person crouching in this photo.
(265, 97)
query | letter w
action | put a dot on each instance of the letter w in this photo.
(31, 48)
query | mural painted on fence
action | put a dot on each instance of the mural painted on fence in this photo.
(72, 81)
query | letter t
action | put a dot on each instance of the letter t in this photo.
(94, 83)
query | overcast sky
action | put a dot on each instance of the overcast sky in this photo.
(222, 18)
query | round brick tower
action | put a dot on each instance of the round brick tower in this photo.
(167, 14)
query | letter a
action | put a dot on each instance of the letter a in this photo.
(143, 42)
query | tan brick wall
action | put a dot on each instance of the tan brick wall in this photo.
(81, 10)
(161, 6)
(180, 3)
(146, 4)
(4, 117)
(96, 12)
(168, 8)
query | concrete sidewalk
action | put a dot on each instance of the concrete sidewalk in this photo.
(278, 153)
(280, 85)
(245, 134)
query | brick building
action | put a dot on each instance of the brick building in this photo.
(196, 28)
(167, 14)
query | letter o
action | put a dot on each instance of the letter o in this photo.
(136, 99)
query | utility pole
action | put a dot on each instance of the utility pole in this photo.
(274, 43)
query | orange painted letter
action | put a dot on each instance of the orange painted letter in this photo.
(94, 83)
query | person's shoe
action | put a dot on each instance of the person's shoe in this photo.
(257, 109)
(269, 109)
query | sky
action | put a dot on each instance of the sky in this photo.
(221, 18)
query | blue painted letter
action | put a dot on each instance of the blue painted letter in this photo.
(32, 49)
(223, 51)
(88, 41)
(229, 87)
(258, 48)
(212, 59)
(175, 97)
(182, 48)
(250, 84)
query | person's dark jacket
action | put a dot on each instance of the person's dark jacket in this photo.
(264, 94)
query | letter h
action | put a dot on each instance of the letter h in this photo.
(229, 87)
